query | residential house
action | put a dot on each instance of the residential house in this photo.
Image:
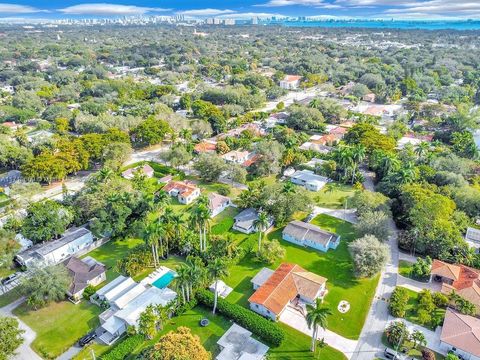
(288, 285)
(236, 156)
(370, 97)
(413, 139)
(461, 335)
(12, 125)
(464, 280)
(276, 119)
(309, 180)
(126, 300)
(84, 272)
(245, 221)
(217, 203)
(55, 251)
(205, 147)
(321, 149)
(472, 237)
(309, 235)
(39, 137)
(290, 82)
(146, 170)
(184, 191)
(237, 344)
(9, 178)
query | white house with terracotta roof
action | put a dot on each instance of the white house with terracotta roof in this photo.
(309, 235)
(464, 280)
(288, 285)
(290, 82)
(146, 170)
(184, 191)
(461, 335)
(236, 156)
(217, 203)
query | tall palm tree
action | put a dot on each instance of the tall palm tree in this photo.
(261, 223)
(150, 235)
(200, 218)
(317, 317)
(388, 164)
(358, 153)
(162, 200)
(216, 270)
(196, 271)
(422, 150)
(182, 281)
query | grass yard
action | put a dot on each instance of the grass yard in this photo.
(110, 252)
(404, 268)
(295, 346)
(59, 325)
(333, 195)
(4, 199)
(9, 297)
(335, 265)
(412, 307)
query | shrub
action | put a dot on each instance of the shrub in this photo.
(223, 189)
(89, 291)
(182, 308)
(440, 300)
(267, 330)
(398, 302)
(124, 348)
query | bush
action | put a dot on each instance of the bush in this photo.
(267, 330)
(182, 308)
(223, 189)
(89, 291)
(440, 300)
(124, 348)
(398, 302)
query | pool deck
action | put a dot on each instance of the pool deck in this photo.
(157, 274)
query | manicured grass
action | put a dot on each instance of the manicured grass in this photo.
(4, 199)
(109, 253)
(404, 268)
(412, 308)
(333, 196)
(335, 265)
(59, 325)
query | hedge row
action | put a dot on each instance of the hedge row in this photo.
(124, 348)
(267, 330)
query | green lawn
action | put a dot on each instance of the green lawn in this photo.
(4, 199)
(295, 346)
(9, 297)
(333, 196)
(59, 325)
(405, 268)
(335, 265)
(412, 307)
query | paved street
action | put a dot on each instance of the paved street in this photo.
(370, 341)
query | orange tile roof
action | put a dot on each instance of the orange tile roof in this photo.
(284, 285)
(182, 187)
(291, 78)
(466, 280)
(205, 146)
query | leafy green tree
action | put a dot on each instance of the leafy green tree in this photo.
(369, 255)
(398, 302)
(150, 132)
(317, 317)
(209, 167)
(271, 251)
(376, 223)
(397, 333)
(46, 220)
(177, 156)
(305, 118)
(8, 248)
(418, 339)
(11, 337)
(46, 285)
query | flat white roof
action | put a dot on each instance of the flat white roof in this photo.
(123, 299)
(262, 276)
(111, 285)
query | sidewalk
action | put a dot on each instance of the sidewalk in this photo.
(24, 352)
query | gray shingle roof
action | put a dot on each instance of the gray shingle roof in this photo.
(304, 231)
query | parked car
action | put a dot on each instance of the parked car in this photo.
(309, 218)
(9, 279)
(87, 339)
(390, 354)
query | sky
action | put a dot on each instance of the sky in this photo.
(387, 9)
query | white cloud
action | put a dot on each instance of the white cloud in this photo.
(108, 9)
(205, 12)
(279, 3)
(17, 9)
(249, 15)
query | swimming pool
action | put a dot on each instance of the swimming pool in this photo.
(163, 281)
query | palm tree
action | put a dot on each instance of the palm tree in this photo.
(261, 223)
(196, 272)
(288, 188)
(150, 234)
(162, 200)
(317, 317)
(217, 269)
(422, 149)
(358, 154)
(200, 218)
(182, 281)
(418, 339)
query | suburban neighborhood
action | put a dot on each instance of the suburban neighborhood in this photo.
(202, 189)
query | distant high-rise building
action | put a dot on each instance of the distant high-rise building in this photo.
(229, 22)
(255, 21)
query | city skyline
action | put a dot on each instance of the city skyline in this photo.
(243, 9)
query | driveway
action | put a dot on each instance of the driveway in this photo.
(349, 215)
(24, 352)
(296, 320)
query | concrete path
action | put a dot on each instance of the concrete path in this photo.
(70, 353)
(297, 321)
(24, 352)
(418, 285)
(349, 215)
